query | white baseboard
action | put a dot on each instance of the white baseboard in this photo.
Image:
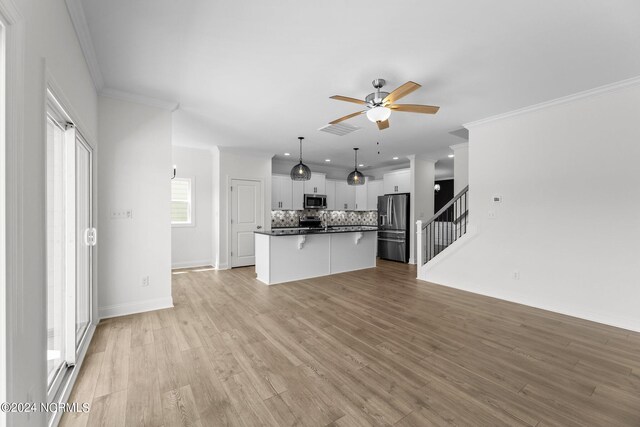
(135, 307)
(191, 264)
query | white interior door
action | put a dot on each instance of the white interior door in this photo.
(246, 217)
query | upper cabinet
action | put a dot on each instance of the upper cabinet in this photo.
(330, 191)
(345, 196)
(281, 192)
(375, 188)
(361, 197)
(289, 195)
(397, 181)
(316, 185)
(297, 195)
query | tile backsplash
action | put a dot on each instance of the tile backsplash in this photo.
(290, 218)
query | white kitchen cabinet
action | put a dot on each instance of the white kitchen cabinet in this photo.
(330, 191)
(397, 181)
(375, 188)
(297, 195)
(281, 192)
(345, 196)
(361, 197)
(316, 185)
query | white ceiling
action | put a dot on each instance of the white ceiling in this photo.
(261, 72)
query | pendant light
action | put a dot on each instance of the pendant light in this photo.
(300, 172)
(355, 177)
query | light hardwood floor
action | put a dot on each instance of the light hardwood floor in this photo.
(374, 347)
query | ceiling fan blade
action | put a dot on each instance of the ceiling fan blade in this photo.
(347, 117)
(348, 99)
(400, 92)
(383, 125)
(415, 108)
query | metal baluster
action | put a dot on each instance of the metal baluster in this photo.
(450, 226)
(440, 235)
(466, 211)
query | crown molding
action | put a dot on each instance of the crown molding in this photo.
(139, 99)
(79, 20)
(559, 101)
(10, 11)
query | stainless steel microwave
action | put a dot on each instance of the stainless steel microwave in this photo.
(315, 201)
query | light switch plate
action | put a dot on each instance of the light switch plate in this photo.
(122, 214)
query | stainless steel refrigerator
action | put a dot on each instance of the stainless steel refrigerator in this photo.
(393, 227)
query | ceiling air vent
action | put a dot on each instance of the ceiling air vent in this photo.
(339, 129)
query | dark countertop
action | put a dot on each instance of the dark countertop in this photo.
(330, 230)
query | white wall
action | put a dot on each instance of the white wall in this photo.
(422, 198)
(134, 173)
(460, 166)
(49, 40)
(569, 221)
(191, 245)
(234, 165)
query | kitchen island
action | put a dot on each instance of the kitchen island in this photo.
(288, 255)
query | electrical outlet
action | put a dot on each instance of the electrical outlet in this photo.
(516, 275)
(122, 214)
(145, 281)
(492, 214)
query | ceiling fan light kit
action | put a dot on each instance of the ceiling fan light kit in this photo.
(380, 104)
(300, 172)
(378, 114)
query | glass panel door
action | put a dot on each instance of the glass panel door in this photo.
(56, 250)
(70, 237)
(85, 238)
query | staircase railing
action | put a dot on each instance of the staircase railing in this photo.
(445, 227)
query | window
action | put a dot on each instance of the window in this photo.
(181, 201)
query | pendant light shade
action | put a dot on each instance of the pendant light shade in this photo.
(355, 177)
(300, 172)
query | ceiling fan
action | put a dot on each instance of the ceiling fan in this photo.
(380, 104)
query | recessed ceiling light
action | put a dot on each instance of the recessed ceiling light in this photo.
(327, 160)
(395, 158)
(360, 165)
(287, 154)
(450, 156)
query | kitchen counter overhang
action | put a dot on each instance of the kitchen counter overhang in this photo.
(330, 230)
(289, 255)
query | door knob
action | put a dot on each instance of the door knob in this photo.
(259, 227)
